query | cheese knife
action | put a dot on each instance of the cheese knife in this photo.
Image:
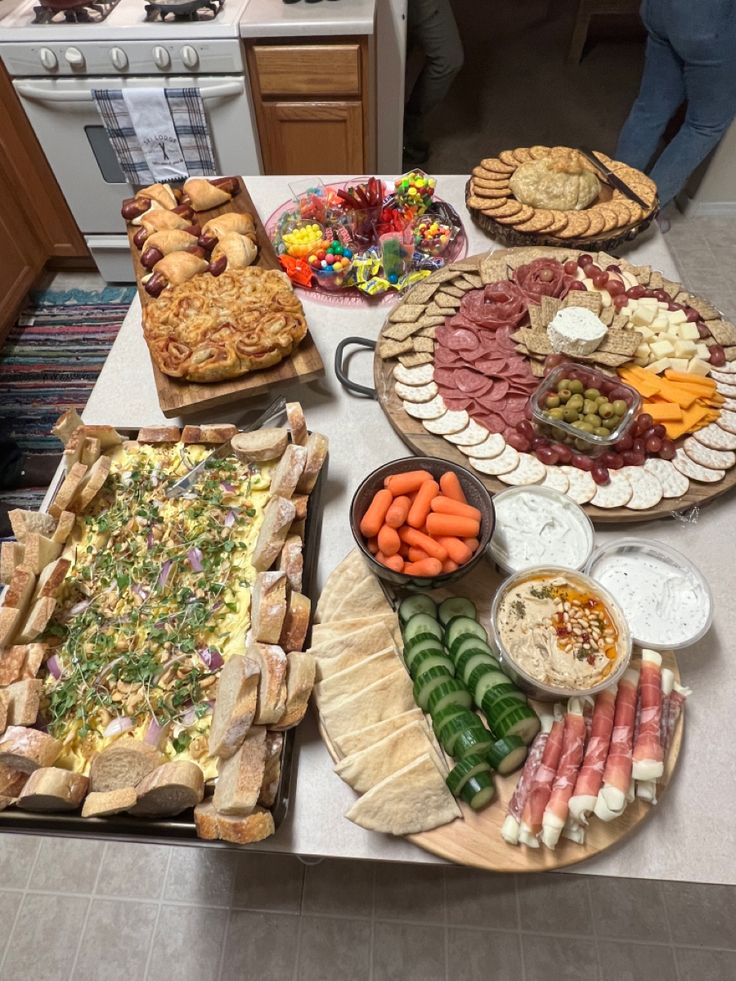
(187, 483)
(613, 179)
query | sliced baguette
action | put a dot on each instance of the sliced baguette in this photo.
(64, 526)
(296, 622)
(169, 789)
(91, 450)
(68, 489)
(268, 607)
(108, 802)
(208, 434)
(240, 777)
(73, 450)
(300, 672)
(24, 699)
(35, 656)
(291, 561)
(10, 621)
(124, 764)
(159, 434)
(272, 771)
(52, 577)
(317, 447)
(11, 781)
(20, 589)
(52, 789)
(38, 619)
(108, 436)
(288, 470)
(272, 685)
(28, 749)
(277, 518)
(260, 445)
(11, 556)
(67, 424)
(4, 706)
(296, 422)
(301, 505)
(237, 830)
(40, 550)
(12, 660)
(23, 522)
(236, 705)
(92, 484)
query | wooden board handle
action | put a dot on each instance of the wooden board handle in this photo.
(342, 377)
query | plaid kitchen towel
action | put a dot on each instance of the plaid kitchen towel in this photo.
(190, 124)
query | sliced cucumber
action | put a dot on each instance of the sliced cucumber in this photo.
(472, 643)
(421, 647)
(442, 719)
(456, 606)
(519, 720)
(478, 791)
(421, 625)
(418, 603)
(463, 627)
(494, 695)
(460, 725)
(493, 678)
(452, 692)
(471, 659)
(427, 683)
(507, 755)
(494, 708)
(426, 659)
(472, 741)
(465, 770)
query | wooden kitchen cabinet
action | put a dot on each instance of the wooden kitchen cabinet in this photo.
(314, 105)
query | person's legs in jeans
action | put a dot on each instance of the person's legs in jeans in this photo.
(432, 25)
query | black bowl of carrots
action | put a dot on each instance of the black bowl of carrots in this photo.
(422, 522)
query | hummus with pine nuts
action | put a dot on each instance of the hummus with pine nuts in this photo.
(559, 632)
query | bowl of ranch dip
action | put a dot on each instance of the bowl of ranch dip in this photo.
(539, 526)
(665, 598)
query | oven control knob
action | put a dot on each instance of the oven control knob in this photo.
(48, 59)
(119, 59)
(161, 57)
(189, 56)
(74, 57)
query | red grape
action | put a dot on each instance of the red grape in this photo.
(553, 360)
(667, 450)
(518, 441)
(526, 429)
(545, 275)
(600, 279)
(615, 461)
(615, 288)
(673, 306)
(547, 455)
(620, 301)
(577, 285)
(613, 268)
(625, 443)
(584, 260)
(644, 422)
(692, 315)
(629, 458)
(617, 392)
(581, 461)
(659, 431)
(600, 475)
(563, 453)
(539, 441)
(702, 330)
(653, 444)
(717, 356)
(570, 267)
(662, 296)
(637, 459)
(639, 446)
(635, 292)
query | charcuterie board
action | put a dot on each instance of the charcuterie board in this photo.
(178, 397)
(417, 350)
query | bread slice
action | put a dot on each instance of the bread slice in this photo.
(237, 830)
(40, 550)
(11, 781)
(35, 656)
(20, 589)
(11, 556)
(52, 578)
(68, 489)
(272, 684)
(4, 705)
(301, 504)
(106, 803)
(10, 621)
(73, 450)
(277, 518)
(240, 777)
(92, 484)
(296, 622)
(268, 607)
(52, 789)
(38, 619)
(300, 672)
(12, 660)
(291, 561)
(260, 445)
(64, 526)
(23, 522)
(67, 424)
(296, 422)
(288, 470)
(124, 764)
(91, 450)
(272, 770)
(24, 699)
(208, 434)
(107, 435)
(28, 749)
(317, 447)
(169, 789)
(235, 708)
(159, 434)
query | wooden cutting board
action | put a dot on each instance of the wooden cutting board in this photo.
(177, 397)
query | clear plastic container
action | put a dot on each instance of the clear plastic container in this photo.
(665, 598)
(563, 432)
(301, 237)
(428, 241)
(533, 686)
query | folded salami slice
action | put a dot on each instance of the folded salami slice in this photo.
(497, 305)
(542, 277)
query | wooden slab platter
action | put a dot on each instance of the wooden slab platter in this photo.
(424, 443)
(476, 840)
(177, 397)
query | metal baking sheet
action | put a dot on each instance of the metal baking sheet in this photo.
(180, 829)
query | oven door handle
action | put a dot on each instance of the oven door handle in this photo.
(38, 93)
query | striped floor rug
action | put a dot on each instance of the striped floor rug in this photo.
(50, 362)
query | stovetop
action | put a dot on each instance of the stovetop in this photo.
(86, 13)
(183, 10)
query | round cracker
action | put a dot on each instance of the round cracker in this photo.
(540, 221)
(490, 192)
(529, 470)
(507, 157)
(421, 375)
(610, 218)
(522, 154)
(472, 435)
(723, 375)
(500, 208)
(518, 218)
(728, 405)
(715, 438)
(426, 410)
(615, 494)
(707, 457)
(596, 223)
(674, 483)
(622, 211)
(582, 487)
(646, 489)
(729, 368)
(493, 445)
(726, 389)
(559, 222)
(538, 152)
(497, 166)
(497, 465)
(556, 479)
(578, 224)
(694, 471)
(727, 420)
(485, 179)
(453, 421)
(416, 393)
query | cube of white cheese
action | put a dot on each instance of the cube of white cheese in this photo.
(677, 316)
(642, 351)
(660, 323)
(643, 315)
(646, 332)
(679, 364)
(662, 348)
(689, 332)
(649, 301)
(658, 366)
(673, 330)
(701, 351)
(697, 367)
(662, 304)
(685, 349)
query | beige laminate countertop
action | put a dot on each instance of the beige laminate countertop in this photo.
(690, 836)
(274, 18)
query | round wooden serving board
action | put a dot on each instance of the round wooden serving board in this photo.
(476, 840)
(423, 443)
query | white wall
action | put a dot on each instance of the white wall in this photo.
(712, 190)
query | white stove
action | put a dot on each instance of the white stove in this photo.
(56, 65)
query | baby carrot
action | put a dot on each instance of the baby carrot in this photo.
(388, 541)
(450, 566)
(453, 525)
(374, 517)
(372, 545)
(394, 562)
(406, 483)
(451, 487)
(422, 503)
(404, 550)
(427, 568)
(446, 505)
(472, 543)
(456, 549)
(397, 513)
(417, 538)
(417, 554)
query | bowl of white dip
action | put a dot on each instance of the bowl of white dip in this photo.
(539, 526)
(665, 598)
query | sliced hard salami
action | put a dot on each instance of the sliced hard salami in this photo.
(461, 339)
(529, 470)
(472, 435)
(503, 463)
(450, 422)
(694, 471)
(497, 305)
(543, 277)
(647, 491)
(471, 382)
(493, 445)
(615, 493)
(716, 438)
(457, 402)
(674, 483)
(707, 457)
(444, 376)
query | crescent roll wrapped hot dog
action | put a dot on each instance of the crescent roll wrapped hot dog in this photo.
(233, 251)
(159, 220)
(151, 198)
(164, 242)
(174, 269)
(222, 225)
(203, 194)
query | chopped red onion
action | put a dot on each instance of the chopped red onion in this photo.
(79, 607)
(149, 539)
(153, 733)
(211, 658)
(140, 591)
(229, 519)
(227, 486)
(194, 555)
(117, 726)
(164, 574)
(54, 667)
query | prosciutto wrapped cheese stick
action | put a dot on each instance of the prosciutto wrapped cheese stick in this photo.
(531, 819)
(590, 776)
(648, 756)
(612, 796)
(573, 743)
(674, 708)
(510, 829)
(647, 789)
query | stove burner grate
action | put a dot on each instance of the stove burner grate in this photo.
(92, 12)
(183, 10)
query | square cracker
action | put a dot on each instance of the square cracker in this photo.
(536, 316)
(469, 264)
(415, 359)
(406, 313)
(607, 314)
(492, 268)
(706, 310)
(452, 290)
(580, 298)
(549, 306)
(656, 280)
(423, 345)
(400, 332)
(430, 332)
(421, 293)
(428, 321)
(392, 349)
(536, 368)
(475, 281)
(723, 331)
(447, 302)
(620, 342)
